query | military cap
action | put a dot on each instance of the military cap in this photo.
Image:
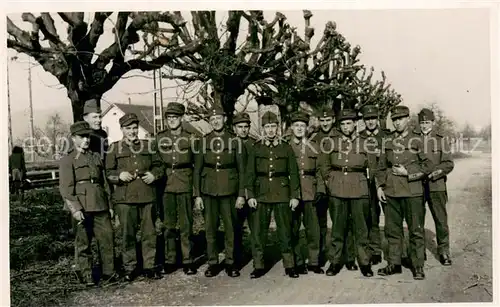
(241, 118)
(175, 108)
(369, 111)
(128, 119)
(269, 118)
(425, 114)
(80, 128)
(299, 117)
(91, 106)
(346, 114)
(326, 112)
(400, 111)
(216, 110)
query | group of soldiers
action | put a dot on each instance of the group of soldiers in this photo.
(299, 179)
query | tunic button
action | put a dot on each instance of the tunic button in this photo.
(135, 162)
(173, 171)
(218, 157)
(271, 152)
(270, 179)
(173, 158)
(271, 165)
(270, 159)
(345, 173)
(217, 170)
(346, 160)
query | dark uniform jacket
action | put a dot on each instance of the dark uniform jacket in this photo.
(177, 153)
(438, 152)
(249, 143)
(348, 167)
(82, 182)
(137, 159)
(273, 172)
(325, 139)
(406, 150)
(219, 168)
(307, 156)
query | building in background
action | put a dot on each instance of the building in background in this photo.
(113, 113)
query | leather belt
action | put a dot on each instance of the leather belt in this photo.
(348, 169)
(91, 180)
(272, 174)
(179, 165)
(220, 165)
(308, 172)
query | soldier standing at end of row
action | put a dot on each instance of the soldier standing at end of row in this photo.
(438, 151)
(132, 166)
(219, 188)
(345, 170)
(176, 149)
(241, 125)
(273, 186)
(312, 190)
(83, 186)
(402, 166)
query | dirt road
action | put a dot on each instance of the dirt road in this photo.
(468, 280)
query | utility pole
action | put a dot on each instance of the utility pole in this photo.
(155, 113)
(160, 75)
(11, 145)
(32, 130)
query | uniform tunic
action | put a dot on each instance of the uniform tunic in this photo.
(83, 185)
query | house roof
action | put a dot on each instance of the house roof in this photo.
(146, 118)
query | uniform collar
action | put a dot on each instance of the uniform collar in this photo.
(402, 135)
(372, 133)
(274, 142)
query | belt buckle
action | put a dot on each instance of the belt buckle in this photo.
(344, 169)
(302, 172)
(270, 174)
(91, 180)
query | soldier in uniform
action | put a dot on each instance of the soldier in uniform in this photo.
(219, 188)
(346, 170)
(273, 186)
(374, 135)
(438, 151)
(98, 137)
(402, 166)
(323, 138)
(133, 166)
(83, 184)
(241, 125)
(312, 189)
(176, 148)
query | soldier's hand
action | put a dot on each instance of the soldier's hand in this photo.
(126, 177)
(148, 178)
(78, 215)
(435, 173)
(198, 203)
(294, 203)
(381, 195)
(399, 170)
(240, 202)
(318, 198)
(111, 213)
(252, 203)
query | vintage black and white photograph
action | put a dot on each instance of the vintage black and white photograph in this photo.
(184, 155)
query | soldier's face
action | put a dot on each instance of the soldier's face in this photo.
(400, 124)
(299, 129)
(173, 121)
(426, 126)
(271, 130)
(347, 126)
(217, 122)
(242, 130)
(94, 120)
(326, 123)
(81, 141)
(371, 124)
(131, 132)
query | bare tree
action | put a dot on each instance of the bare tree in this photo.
(51, 139)
(273, 58)
(75, 63)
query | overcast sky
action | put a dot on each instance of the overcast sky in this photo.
(428, 56)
